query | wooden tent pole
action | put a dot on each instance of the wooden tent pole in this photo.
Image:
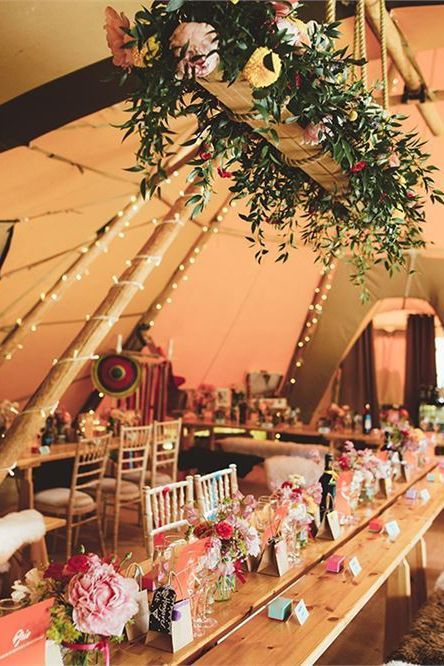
(88, 254)
(59, 378)
(405, 64)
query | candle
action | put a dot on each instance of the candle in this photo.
(119, 344)
(170, 349)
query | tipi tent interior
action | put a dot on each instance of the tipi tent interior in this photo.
(132, 332)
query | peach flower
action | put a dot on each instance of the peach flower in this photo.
(201, 40)
(297, 32)
(313, 133)
(117, 38)
(103, 601)
(282, 9)
(394, 160)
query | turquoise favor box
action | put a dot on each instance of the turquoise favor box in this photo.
(280, 609)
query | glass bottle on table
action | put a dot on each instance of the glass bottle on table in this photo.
(328, 484)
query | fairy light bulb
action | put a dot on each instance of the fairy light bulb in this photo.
(133, 198)
(292, 380)
(298, 364)
(181, 267)
(300, 344)
(158, 306)
(174, 285)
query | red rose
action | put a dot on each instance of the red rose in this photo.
(286, 484)
(343, 463)
(202, 530)
(80, 564)
(55, 571)
(224, 530)
(359, 166)
(223, 173)
(297, 80)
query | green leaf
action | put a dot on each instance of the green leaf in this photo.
(174, 5)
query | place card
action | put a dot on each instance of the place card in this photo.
(424, 495)
(180, 633)
(392, 529)
(430, 477)
(301, 612)
(354, 567)
(161, 609)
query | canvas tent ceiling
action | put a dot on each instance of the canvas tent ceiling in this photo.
(232, 315)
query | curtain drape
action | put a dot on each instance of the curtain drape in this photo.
(358, 376)
(420, 361)
(390, 366)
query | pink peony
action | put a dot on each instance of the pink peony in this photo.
(296, 36)
(201, 40)
(103, 601)
(394, 160)
(116, 37)
(313, 133)
(282, 9)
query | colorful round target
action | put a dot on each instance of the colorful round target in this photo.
(117, 375)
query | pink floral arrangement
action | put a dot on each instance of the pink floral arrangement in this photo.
(92, 600)
(364, 461)
(405, 438)
(231, 537)
(295, 491)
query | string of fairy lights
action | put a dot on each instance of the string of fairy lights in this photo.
(314, 313)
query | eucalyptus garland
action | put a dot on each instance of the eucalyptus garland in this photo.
(289, 65)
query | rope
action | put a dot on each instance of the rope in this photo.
(360, 8)
(330, 12)
(384, 68)
(355, 46)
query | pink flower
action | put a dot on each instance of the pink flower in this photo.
(103, 601)
(117, 38)
(224, 530)
(282, 9)
(200, 56)
(296, 32)
(394, 160)
(313, 133)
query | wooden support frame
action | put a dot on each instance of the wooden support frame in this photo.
(84, 345)
(406, 64)
(88, 254)
(397, 606)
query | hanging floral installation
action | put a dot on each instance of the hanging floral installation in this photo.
(298, 81)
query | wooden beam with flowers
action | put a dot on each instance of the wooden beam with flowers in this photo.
(307, 148)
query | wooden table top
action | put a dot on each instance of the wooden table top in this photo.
(58, 452)
(375, 439)
(257, 591)
(333, 600)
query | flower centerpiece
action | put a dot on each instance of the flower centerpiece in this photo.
(191, 58)
(367, 469)
(231, 539)
(300, 504)
(92, 603)
(404, 439)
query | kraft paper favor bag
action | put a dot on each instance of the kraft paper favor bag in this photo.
(139, 624)
(171, 628)
(330, 527)
(274, 558)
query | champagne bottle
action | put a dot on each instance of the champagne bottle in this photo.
(328, 484)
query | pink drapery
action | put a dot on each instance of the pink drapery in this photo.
(150, 399)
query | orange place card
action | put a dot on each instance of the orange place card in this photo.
(23, 635)
(342, 503)
(185, 560)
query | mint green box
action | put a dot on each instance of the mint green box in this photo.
(280, 609)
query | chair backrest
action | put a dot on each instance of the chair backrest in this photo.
(165, 449)
(134, 451)
(212, 488)
(90, 463)
(163, 509)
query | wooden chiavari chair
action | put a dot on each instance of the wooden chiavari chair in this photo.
(163, 509)
(76, 503)
(212, 489)
(165, 453)
(124, 489)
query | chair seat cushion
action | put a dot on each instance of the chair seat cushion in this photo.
(56, 500)
(162, 479)
(128, 490)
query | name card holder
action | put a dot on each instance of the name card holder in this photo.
(354, 567)
(170, 622)
(392, 529)
(301, 612)
(424, 495)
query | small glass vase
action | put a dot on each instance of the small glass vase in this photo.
(88, 657)
(224, 588)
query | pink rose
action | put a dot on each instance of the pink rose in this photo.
(202, 41)
(296, 35)
(394, 160)
(282, 9)
(116, 37)
(313, 133)
(103, 601)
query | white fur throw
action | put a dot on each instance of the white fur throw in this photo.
(17, 529)
(278, 469)
(439, 585)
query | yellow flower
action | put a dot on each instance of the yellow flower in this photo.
(352, 115)
(142, 57)
(263, 68)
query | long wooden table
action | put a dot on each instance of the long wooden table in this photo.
(334, 600)
(257, 592)
(332, 438)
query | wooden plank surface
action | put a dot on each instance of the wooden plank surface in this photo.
(58, 452)
(257, 591)
(332, 599)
